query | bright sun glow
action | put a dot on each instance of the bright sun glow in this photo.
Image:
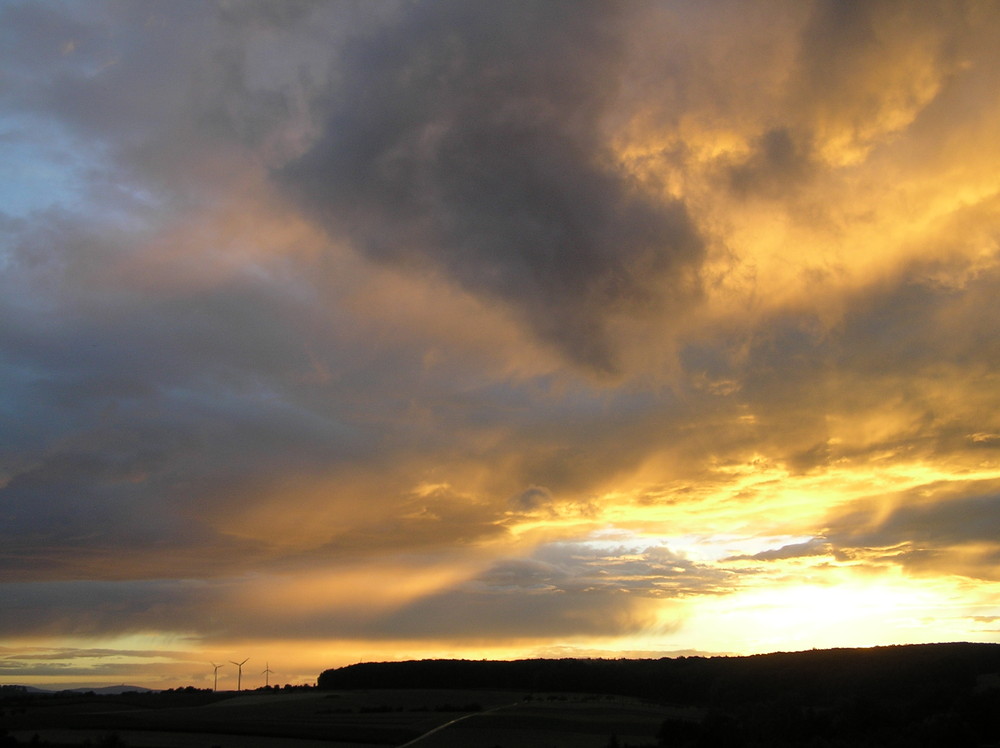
(862, 613)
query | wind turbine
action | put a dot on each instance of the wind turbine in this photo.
(239, 678)
(216, 686)
(267, 674)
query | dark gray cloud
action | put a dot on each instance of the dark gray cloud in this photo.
(471, 136)
(531, 499)
(777, 166)
(90, 608)
(933, 517)
(811, 547)
(38, 38)
(112, 88)
(485, 616)
(119, 414)
(576, 588)
(650, 571)
(265, 13)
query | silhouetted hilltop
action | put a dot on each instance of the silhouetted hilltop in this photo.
(816, 676)
(930, 695)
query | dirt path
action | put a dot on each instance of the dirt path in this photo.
(439, 728)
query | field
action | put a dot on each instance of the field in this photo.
(428, 718)
(935, 695)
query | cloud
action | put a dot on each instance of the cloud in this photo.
(574, 588)
(948, 525)
(561, 317)
(532, 499)
(471, 138)
(776, 166)
(264, 13)
(891, 62)
(578, 589)
(480, 616)
(940, 514)
(811, 547)
(88, 663)
(87, 608)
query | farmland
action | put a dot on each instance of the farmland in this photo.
(341, 719)
(944, 695)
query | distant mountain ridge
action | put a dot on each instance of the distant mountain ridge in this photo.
(112, 690)
(101, 691)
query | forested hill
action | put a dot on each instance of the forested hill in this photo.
(924, 671)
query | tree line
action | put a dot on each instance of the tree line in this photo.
(908, 695)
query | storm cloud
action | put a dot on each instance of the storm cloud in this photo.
(476, 138)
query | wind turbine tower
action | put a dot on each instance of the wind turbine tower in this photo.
(216, 686)
(267, 674)
(239, 677)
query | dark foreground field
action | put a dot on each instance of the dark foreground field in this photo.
(386, 717)
(928, 695)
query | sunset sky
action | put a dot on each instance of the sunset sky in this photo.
(342, 331)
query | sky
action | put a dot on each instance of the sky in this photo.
(360, 331)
